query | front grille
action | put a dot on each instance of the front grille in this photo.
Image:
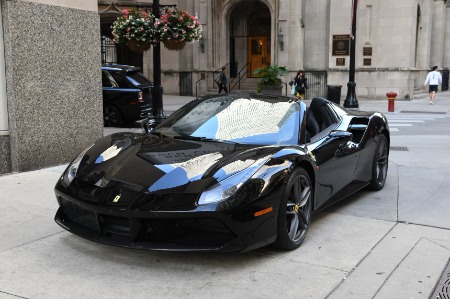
(169, 232)
(78, 215)
(149, 233)
(192, 232)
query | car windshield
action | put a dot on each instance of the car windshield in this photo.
(246, 120)
(138, 79)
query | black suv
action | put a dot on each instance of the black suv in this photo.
(126, 94)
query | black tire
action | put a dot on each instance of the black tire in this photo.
(294, 215)
(112, 116)
(380, 164)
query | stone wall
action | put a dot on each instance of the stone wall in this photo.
(5, 154)
(52, 59)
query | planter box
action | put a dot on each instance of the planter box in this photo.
(272, 90)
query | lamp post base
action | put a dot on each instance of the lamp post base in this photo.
(350, 100)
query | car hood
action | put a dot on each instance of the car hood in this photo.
(151, 164)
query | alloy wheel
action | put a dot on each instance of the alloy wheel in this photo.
(382, 162)
(298, 209)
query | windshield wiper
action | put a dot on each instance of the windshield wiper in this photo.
(189, 137)
(159, 134)
(199, 138)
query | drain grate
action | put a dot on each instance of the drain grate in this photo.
(399, 148)
(442, 290)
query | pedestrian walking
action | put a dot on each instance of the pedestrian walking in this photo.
(223, 81)
(301, 85)
(434, 79)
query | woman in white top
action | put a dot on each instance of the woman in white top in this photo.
(434, 78)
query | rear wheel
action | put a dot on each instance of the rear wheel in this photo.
(294, 215)
(380, 165)
(112, 116)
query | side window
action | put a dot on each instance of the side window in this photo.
(120, 79)
(323, 112)
(108, 80)
(321, 119)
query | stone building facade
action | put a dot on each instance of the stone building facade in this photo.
(50, 82)
(396, 42)
(50, 79)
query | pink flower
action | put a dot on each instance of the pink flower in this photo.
(128, 29)
(180, 19)
(144, 14)
(125, 12)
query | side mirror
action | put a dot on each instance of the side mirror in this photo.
(342, 135)
(147, 123)
(343, 141)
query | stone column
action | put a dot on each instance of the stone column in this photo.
(438, 29)
(289, 20)
(53, 79)
(315, 22)
(5, 163)
(446, 58)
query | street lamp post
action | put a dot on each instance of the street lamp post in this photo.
(350, 100)
(157, 100)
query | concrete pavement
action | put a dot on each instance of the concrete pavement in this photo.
(394, 243)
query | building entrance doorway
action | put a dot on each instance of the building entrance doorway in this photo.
(250, 38)
(258, 46)
(258, 52)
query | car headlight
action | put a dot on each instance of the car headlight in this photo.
(228, 187)
(72, 170)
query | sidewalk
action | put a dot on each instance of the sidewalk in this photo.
(394, 243)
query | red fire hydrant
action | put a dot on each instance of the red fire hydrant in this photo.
(391, 100)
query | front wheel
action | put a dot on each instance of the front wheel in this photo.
(294, 215)
(380, 165)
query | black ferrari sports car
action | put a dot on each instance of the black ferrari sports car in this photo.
(223, 173)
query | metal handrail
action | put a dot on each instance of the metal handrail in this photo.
(239, 77)
(285, 85)
(205, 78)
(196, 84)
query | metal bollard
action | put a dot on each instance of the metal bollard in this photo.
(391, 100)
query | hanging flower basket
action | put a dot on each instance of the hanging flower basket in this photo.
(138, 46)
(175, 28)
(135, 29)
(174, 45)
(140, 29)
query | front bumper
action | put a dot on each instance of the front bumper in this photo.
(169, 231)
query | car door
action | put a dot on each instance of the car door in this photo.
(335, 154)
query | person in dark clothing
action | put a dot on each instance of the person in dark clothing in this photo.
(223, 81)
(301, 85)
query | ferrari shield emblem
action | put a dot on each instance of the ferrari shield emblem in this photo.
(116, 199)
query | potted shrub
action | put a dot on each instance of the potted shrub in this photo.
(270, 79)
